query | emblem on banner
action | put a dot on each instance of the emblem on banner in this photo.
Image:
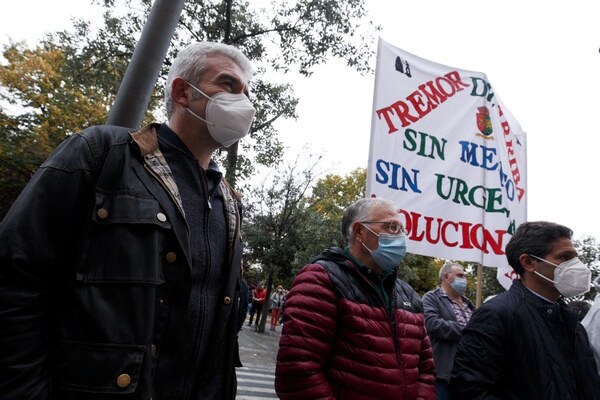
(484, 122)
(403, 67)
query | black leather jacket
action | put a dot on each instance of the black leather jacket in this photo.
(95, 274)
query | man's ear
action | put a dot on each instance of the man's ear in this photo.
(527, 262)
(357, 231)
(180, 92)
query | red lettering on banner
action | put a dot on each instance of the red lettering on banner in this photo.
(512, 160)
(512, 275)
(455, 78)
(464, 235)
(416, 99)
(420, 102)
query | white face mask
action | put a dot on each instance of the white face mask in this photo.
(571, 278)
(228, 116)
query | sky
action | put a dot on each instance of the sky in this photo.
(541, 57)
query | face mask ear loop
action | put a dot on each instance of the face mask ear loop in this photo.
(376, 234)
(542, 276)
(197, 116)
(543, 260)
(199, 91)
(546, 261)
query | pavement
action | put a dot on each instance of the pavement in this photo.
(258, 353)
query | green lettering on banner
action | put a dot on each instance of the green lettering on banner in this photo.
(424, 144)
(459, 192)
(481, 88)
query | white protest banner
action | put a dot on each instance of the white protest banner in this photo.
(448, 152)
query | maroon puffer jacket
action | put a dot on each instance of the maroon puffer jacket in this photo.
(339, 342)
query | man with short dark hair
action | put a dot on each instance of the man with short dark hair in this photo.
(120, 261)
(352, 329)
(447, 311)
(526, 343)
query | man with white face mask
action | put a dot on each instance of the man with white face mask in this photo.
(447, 311)
(120, 262)
(526, 343)
(353, 329)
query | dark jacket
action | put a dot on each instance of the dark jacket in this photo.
(443, 330)
(95, 270)
(519, 346)
(339, 340)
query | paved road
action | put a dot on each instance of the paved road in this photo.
(258, 352)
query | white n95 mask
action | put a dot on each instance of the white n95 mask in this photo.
(228, 116)
(571, 278)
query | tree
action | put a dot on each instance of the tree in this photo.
(330, 196)
(85, 68)
(420, 272)
(281, 38)
(274, 213)
(45, 96)
(64, 84)
(490, 284)
(588, 249)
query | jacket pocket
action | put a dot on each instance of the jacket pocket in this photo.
(126, 241)
(98, 367)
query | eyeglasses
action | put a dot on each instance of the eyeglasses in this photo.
(391, 227)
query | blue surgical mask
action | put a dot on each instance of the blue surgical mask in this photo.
(390, 252)
(459, 285)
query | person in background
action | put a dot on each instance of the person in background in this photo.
(120, 261)
(447, 311)
(285, 294)
(259, 295)
(526, 343)
(353, 329)
(250, 292)
(243, 303)
(591, 323)
(277, 301)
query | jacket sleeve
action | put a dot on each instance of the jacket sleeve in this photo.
(478, 370)
(436, 319)
(307, 337)
(36, 240)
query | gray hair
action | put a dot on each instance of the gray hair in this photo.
(361, 210)
(447, 267)
(190, 63)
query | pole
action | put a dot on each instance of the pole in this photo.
(140, 77)
(479, 292)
